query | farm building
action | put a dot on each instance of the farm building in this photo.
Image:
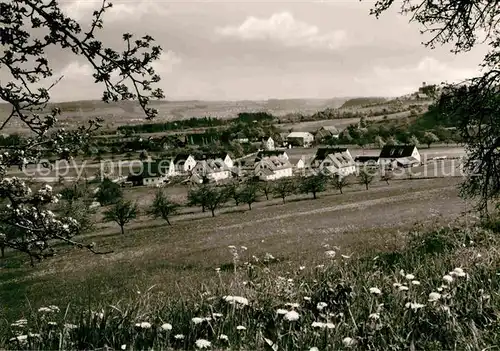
(213, 170)
(399, 156)
(304, 139)
(267, 153)
(150, 173)
(326, 132)
(339, 163)
(366, 160)
(184, 163)
(273, 168)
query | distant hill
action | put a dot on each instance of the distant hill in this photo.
(363, 102)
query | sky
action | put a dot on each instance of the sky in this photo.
(237, 50)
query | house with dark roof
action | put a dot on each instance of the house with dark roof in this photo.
(323, 152)
(363, 160)
(326, 132)
(269, 153)
(183, 163)
(224, 156)
(213, 170)
(399, 156)
(151, 173)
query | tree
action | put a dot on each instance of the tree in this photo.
(284, 187)
(340, 183)
(413, 140)
(249, 194)
(365, 178)
(430, 138)
(379, 141)
(109, 192)
(387, 176)
(215, 198)
(233, 192)
(266, 188)
(71, 193)
(391, 141)
(198, 196)
(122, 213)
(30, 29)
(313, 184)
(143, 156)
(162, 207)
(473, 105)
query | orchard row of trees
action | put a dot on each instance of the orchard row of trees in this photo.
(211, 197)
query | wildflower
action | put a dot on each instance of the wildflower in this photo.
(291, 316)
(20, 323)
(375, 291)
(45, 310)
(289, 280)
(348, 342)
(414, 305)
(403, 288)
(410, 276)
(322, 325)
(448, 278)
(281, 311)
(434, 296)
(238, 299)
(217, 269)
(307, 298)
(415, 282)
(19, 338)
(330, 254)
(346, 257)
(143, 325)
(314, 348)
(320, 266)
(223, 337)
(374, 316)
(178, 336)
(301, 268)
(52, 323)
(293, 305)
(70, 326)
(123, 347)
(203, 344)
(240, 327)
(232, 247)
(197, 320)
(217, 315)
(321, 305)
(396, 285)
(244, 248)
(166, 326)
(459, 272)
(402, 272)
(440, 289)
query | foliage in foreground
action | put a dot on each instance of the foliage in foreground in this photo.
(439, 292)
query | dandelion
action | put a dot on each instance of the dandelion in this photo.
(20, 338)
(375, 291)
(374, 316)
(143, 325)
(179, 337)
(293, 305)
(414, 305)
(348, 342)
(203, 344)
(123, 347)
(52, 324)
(415, 282)
(448, 278)
(197, 320)
(217, 315)
(402, 272)
(217, 269)
(281, 311)
(410, 276)
(322, 325)
(330, 254)
(396, 285)
(240, 327)
(301, 268)
(223, 337)
(166, 326)
(292, 316)
(307, 298)
(236, 299)
(434, 296)
(314, 348)
(321, 305)
(403, 288)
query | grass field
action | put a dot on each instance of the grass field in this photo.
(180, 258)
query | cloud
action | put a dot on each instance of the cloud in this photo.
(283, 28)
(401, 80)
(168, 59)
(120, 11)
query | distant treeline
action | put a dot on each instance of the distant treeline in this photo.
(194, 122)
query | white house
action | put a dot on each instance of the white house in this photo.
(326, 132)
(184, 164)
(399, 155)
(214, 170)
(219, 156)
(273, 168)
(340, 163)
(304, 139)
(269, 153)
(269, 144)
(151, 174)
(300, 164)
(323, 152)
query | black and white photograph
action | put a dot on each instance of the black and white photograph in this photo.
(250, 175)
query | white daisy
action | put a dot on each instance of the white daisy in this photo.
(203, 344)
